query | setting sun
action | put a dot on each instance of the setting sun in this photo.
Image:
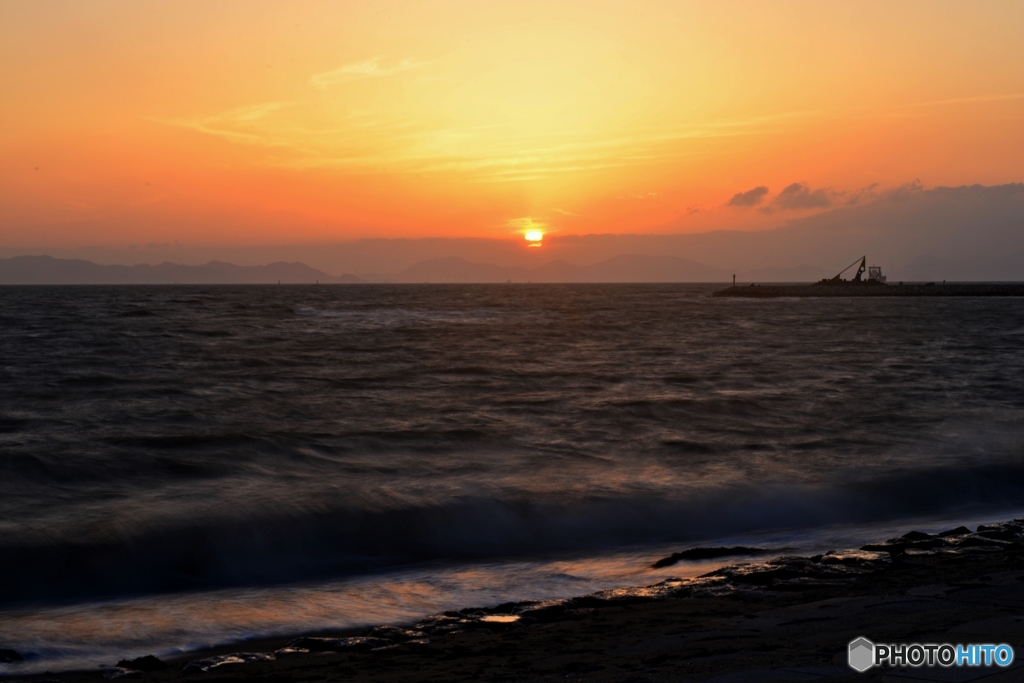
(534, 236)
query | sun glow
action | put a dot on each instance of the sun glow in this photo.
(534, 237)
(314, 121)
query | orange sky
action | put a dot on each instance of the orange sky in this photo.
(211, 122)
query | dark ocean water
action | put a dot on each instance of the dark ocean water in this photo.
(174, 447)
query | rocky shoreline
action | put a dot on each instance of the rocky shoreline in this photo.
(788, 618)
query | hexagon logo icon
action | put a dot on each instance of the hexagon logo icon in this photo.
(861, 654)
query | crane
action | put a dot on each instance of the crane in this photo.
(860, 271)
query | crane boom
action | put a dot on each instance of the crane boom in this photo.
(863, 264)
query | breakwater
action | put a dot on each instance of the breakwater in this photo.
(756, 291)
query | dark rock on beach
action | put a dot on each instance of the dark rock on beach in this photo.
(915, 540)
(394, 634)
(1007, 531)
(797, 572)
(147, 663)
(992, 536)
(201, 666)
(356, 643)
(708, 554)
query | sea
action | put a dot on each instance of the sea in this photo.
(190, 466)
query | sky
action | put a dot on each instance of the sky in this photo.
(251, 122)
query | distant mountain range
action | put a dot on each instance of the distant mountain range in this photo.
(38, 270)
(45, 270)
(626, 268)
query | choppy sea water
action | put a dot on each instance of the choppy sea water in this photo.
(186, 466)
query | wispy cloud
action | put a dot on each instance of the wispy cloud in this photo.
(748, 198)
(391, 142)
(913, 109)
(1009, 97)
(368, 68)
(253, 112)
(862, 195)
(242, 124)
(799, 196)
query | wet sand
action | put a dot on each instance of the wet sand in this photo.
(785, 619)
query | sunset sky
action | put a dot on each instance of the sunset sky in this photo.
(252, 122)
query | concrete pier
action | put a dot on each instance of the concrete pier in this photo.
(770, 291)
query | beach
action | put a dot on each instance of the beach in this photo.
(789, 618)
